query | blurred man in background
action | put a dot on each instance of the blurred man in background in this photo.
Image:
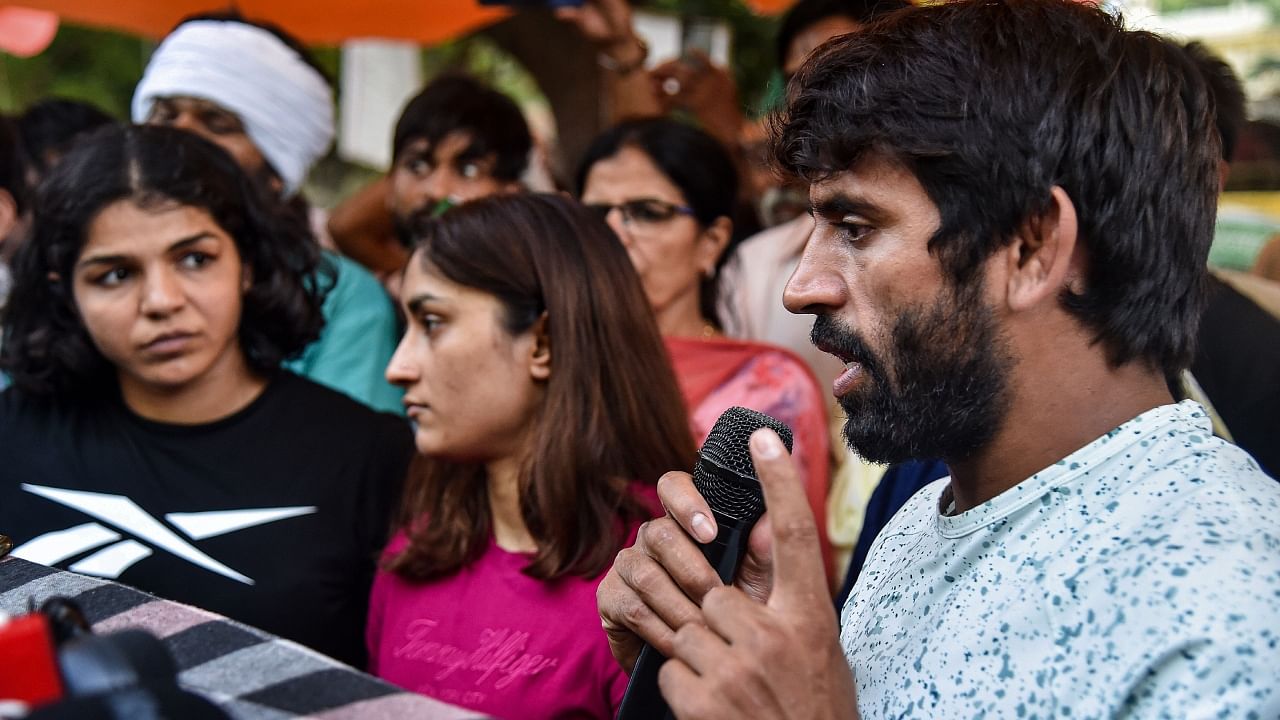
(253, 90)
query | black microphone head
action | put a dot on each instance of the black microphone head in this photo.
(93, 664)
(725, 475)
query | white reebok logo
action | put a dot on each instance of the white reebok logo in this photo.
(123, 513)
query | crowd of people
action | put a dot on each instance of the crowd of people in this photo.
(443, 431)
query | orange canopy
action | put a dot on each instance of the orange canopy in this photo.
(769, 7)
(321, 22)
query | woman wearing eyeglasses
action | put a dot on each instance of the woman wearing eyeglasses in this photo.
(668, 191)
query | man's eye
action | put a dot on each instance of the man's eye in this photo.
(418, 166)
(853, 231)
(161, 114)
(470, 171)
(221, 124)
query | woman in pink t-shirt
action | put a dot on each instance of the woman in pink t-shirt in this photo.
(544, 412)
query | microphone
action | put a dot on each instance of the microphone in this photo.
(125, 675)
(54, 668)
(727, 480)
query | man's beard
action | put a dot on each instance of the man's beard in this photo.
(939, 390)
(408, 224)
(405, 228)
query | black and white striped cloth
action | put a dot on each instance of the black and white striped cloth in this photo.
(246, 672)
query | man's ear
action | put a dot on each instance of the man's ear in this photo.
(275, 184)
(1039, 261)
(711, 245)
(540, 357)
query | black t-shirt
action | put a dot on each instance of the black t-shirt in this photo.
(1237, 363)
(273, 516)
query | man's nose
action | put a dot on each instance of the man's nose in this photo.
(817, 286)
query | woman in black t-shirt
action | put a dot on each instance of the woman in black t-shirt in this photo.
(150, 435)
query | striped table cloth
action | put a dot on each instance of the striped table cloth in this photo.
(246, 672)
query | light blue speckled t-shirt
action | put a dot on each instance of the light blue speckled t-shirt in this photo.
(1138, 577)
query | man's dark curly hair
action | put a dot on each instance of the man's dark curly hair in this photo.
(491, 121)
(46, 348)
(992, 103)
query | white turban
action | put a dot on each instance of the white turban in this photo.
(285, 105)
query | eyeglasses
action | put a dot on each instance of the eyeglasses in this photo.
(645, 211)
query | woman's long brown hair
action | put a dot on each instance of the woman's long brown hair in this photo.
(612, 413)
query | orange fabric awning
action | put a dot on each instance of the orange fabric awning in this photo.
(770, 7)
(321, 22)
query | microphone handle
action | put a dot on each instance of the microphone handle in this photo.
(643, 700)
(725, 553)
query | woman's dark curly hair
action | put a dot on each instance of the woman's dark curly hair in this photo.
(46, 348)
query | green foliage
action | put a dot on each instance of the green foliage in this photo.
(1172, 6)
(482, 58)
(97, 66)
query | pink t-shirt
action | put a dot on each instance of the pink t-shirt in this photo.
(495, 640)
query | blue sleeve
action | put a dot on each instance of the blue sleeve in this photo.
(358, 339)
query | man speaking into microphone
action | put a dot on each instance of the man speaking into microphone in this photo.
(1014, 201)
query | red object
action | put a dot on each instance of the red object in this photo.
(770, 7)
(25, 32)
(28, 668)
(322, 22)
(716, 373)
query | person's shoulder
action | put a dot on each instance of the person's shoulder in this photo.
(1177, 478)
(307, 397)
(1166, 442)
(895, 544)
(1176, 587)
(352, 279)
(774, 244)
(16, 409)
(1195, 472)
(1189, 523)
(1217, 496)
(920, 510)
(12, 401)
(20, 409)
(52, 432)
(311, 418)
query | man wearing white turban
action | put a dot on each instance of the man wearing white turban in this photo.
(253, 90)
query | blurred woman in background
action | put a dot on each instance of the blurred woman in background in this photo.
(668, 190)
(544, 412)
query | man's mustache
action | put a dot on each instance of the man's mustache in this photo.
(830, 336)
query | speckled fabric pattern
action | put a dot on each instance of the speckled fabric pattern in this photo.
(1138, 577)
